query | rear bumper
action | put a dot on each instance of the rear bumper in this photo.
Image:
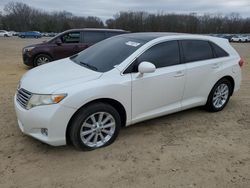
(54, 118)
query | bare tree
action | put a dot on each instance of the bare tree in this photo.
(21, 17)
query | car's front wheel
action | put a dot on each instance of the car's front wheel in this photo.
(42, 59)
(95, 126)
(219, 95)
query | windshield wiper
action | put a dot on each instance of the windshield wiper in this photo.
(89, 66)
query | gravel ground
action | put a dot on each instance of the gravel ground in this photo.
(193, 148)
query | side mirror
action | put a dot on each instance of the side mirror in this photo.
(146, 67)
(58, 41)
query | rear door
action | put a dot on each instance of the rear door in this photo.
(202, 71)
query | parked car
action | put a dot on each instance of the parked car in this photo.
(52, 34)
(124, 80)
(4, 33)
(65, 44)
(30, 34)
(227, 36)
(13, 33)
(240, 39)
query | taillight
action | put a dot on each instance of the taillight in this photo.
(241, 62)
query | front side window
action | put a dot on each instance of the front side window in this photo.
(161, 55)
(92, 37)
(73, 37)
(196, 50)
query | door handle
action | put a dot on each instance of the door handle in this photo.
(179, 74)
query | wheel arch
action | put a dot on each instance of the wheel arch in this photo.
(231, 80)
(116, 104)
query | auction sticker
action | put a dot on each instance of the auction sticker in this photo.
(134, 44)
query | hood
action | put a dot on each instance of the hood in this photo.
(50, 77)
(36, 45)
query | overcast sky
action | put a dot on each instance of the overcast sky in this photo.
(107, 8)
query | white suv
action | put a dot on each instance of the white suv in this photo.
(87, 98)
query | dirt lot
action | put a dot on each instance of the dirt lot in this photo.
(187, 149)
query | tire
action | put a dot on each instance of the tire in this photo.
(42, 59)
(5, 35)
(215, 94)
(83, 131)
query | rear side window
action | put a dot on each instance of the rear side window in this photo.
(162, 55)
(196, 50)
(92, 37)
(111, 34)
(73, 37)
(218, 51)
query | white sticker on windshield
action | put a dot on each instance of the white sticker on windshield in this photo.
(134, 44)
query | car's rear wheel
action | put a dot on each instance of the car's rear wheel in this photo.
(219, 95)
(42, 59)
(95, 126)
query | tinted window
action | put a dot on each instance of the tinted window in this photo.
(196, 50)
(73, 37)
(162, 55)
(92, 37)
(219, 52)
(111, 34)
(104, 55)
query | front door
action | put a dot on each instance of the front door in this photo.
(69, 45)
(161, 92)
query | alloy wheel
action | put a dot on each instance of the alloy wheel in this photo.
(42, 60)
(97, 129)
(220, 96)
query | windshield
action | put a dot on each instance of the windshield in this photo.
(104, 55)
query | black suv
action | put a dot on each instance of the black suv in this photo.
(65, 44)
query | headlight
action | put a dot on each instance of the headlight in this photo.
(38, 100)
(28, 49)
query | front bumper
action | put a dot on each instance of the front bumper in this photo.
(28, 59)
(54, 118)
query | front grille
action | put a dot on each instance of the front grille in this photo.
(23, 97)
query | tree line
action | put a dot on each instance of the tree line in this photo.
(21, 17)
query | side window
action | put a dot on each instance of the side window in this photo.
(92, 37)
(219, 52)
(196, 50)
(73, 37)
(162, 55)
